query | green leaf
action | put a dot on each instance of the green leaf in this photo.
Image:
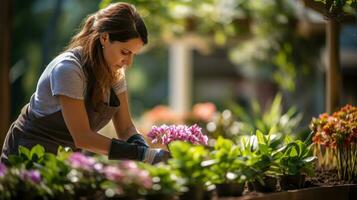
(37, 152)
(310, 159)
(24, 153)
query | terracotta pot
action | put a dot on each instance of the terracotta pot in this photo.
(269, 184)
(229, 189)
(291, 182)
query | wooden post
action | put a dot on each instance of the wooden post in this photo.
(5, 26)
(333, 72)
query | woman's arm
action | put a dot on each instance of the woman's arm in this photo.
(76, 119)
(122, 120)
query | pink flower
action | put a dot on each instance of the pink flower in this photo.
(145, 179)
(78, 160)
(32, 175)
(3, 169)
(113, 173)
(166, 134)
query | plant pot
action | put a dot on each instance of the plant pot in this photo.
(269, 184)
(195, 192)
(291, 182)
(229, 189)
(250, 186)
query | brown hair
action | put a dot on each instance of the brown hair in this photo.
(122, 22)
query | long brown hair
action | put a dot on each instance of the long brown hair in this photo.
(122, 22)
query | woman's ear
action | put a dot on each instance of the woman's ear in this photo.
(104, 38)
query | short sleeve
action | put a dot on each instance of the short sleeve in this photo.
(67, 78)
(120, 86)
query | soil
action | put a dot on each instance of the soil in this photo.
(325, 177)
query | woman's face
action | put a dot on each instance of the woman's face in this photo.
(120, 54)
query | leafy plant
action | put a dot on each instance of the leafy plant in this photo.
(295, 158)
(259, 149)
(164, 179)
(71, 176)
(227, 163)
(187, 159)
(274, 120)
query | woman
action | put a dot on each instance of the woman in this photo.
(82, 89)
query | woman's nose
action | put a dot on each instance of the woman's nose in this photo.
(128, 60)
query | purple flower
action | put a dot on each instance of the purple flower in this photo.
(129, 164)
(113, 173)
(145, 179)
(3, 169)
(166, 134)
(78, 160)
(32, 175)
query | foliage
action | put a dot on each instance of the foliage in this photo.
(269, 24)
(336, 9)
(337, 133)
(187, 159)
(260, 151)
(71, 176)
(164, 179)
(295, 158)
(227, 164)
(273, 120)
(275, 49)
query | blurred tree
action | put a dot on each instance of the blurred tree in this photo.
(272, 48)
(40, 30)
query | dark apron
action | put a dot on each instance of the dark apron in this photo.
(51, 131)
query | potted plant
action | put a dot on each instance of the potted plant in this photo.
(335, 140)
(165, 182)
(226, 168)
(258, 151)
(186, 160)
(293, 162)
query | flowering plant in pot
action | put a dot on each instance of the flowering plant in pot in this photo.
(77, 176)
(335, 140)
(294, 161)
(226, 168)
(186, 160)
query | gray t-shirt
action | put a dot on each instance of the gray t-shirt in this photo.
(64, 75)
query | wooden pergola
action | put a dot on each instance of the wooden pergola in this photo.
(333, 68)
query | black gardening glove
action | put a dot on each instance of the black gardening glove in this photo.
(162, 156)
(135, 148)
(138, 139)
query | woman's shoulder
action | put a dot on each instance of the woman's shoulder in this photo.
(72, 56)
(67, 61)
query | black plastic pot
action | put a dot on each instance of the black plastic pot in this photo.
(250, 186)
(291, 182)
(159, 197)
(229, 189)
(270, 184)
(195, 192)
